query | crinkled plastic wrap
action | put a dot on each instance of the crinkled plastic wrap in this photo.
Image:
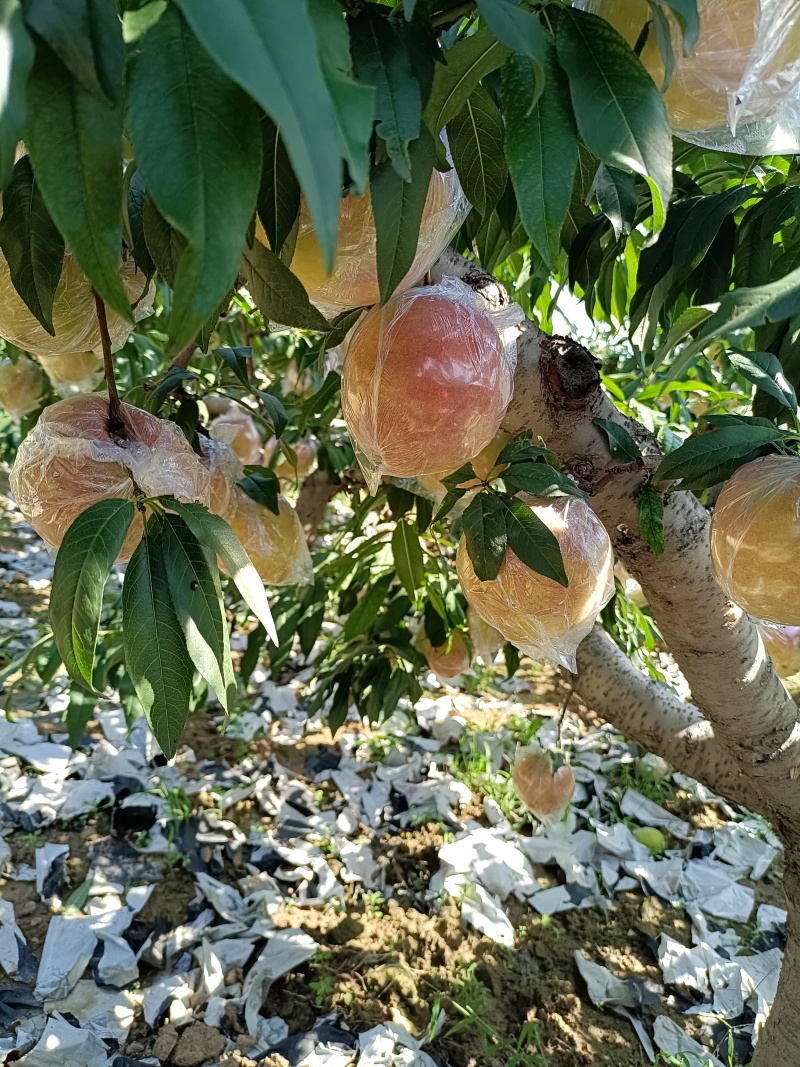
(238, 429)
(783, 646)
(447, 660)
(427, 379)
(225, 469)
(543, 790)
(21, 387)
(74, 312)
(755, 539)
(69, 462)
(73, 372)
(545, 620)
(739, 90)
(354, 280)
(485, 639)
(276, 544)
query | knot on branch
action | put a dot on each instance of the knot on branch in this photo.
(569, 374)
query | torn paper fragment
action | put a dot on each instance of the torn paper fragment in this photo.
(604, 988)
(66, 1046)
(674, 1041)
(50, 864)
(648, 813)
(682, 966)
(741, 845)
(68, 947)
(487, 859)
(483, 911)
(285, 950)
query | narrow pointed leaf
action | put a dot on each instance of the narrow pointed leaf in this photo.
(156, 657)
(650, 504)
(407, 555)
(31, 243)
(531, 541)
(213, 532)
(82, 567)
(485, 533)
(616, 197)
(517, 29)
(269, 48)
(278, 294)
(461, 70)
(197, 598)
(16, 66)
(200, 160)
(540, 479)
(621, 445)
(765, 370)
(710, 450)
(279, 194)
(476, 144)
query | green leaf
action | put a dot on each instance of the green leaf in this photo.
(353, 102)
(136, 23)
(277, 292)
(262, 485)
(274, 411)
(31, 244)
(397, 207)
(466, 473)
(541, 147)
(475, 136)
(621, 445)
(269, 48)
(620, 114)
(400, 501)
(383, 62)
(511, 658)
(689, 20)
(279, 194)
(82, 567)
(236, 359)
(765, 370)
(521, 448)
(451, 498)
(708, 450)
(651, 516)
(616, 197)
(196, 594)
(164, 243)
(74, 143)
(364, 613)
(407, 555)
(156, 657)
(424, 509)
(464, 65)
(340, 704)
(408, 9)
(170, 382)
(213, 532)
(518, 30)
(531, 541)
(17, 62)
(136, 201)
(485, 533)
(86, 35)
(744, 309)
(80, 711)
(540, 479)
(200, 160)
(252, 653)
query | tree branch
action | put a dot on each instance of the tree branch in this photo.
(116, 427)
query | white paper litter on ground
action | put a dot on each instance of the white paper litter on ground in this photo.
(672, 1040)
(482, 911)
(648, 813)
(68, 947)
(285, 950)
(487, 859)
(66, 1046)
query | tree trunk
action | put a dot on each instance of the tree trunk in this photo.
(316, 492)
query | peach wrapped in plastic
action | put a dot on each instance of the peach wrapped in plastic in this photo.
(427, 379)
(354, 280)
(225, 468)
(486, 640)
(238, 429)
(276, 544)
(306, 451)
(447, 660)
(541, 789)
(69, 462)
(739, 90)
(755, 539)
(546, 620)
(74, 312)
(783, 647)
(21, 387)
(73, 372)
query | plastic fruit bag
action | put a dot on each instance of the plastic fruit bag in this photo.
(354, 280)
(739, 90)
(447, 660)
(306, 451)
(783, 647)
(73, 372)
(74, 311)
(69, 462)
(755, 539)
(238, 430)
(21, 387)
(427, 379)
(546, 620)
(542, 790)
(276, 544)
(485, 639)
(225, 468)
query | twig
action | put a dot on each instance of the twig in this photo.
(116, 427)
(184, 357)
(562, 714)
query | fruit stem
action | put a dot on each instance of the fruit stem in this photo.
(116, 427)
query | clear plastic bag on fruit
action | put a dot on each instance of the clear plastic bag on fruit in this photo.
(782, 644)
(73, 372)
(427, 379)
(544, 782)
(225, 469)
(354, 279)
(755, 539)
(545, 620)
(485, 639)
(21, 387)
(238, 430)
(447, 660)
(69, 461)
(74, 311)
(739, 90)
(276, 544)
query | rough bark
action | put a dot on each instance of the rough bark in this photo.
(651, 714)
(315, 494)
(777, 1044)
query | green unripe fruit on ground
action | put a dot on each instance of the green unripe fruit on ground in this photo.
(651, 838)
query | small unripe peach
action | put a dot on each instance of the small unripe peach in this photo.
(276, 544)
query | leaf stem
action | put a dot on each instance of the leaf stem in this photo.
(184, 357)
(116, 427)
